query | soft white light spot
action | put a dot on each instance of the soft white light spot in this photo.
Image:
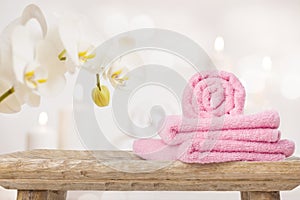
(219, 43)
(253, 80)
(290, 86)
(141, 21)
(267, 63)
(43, 118)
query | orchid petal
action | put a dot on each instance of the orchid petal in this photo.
(69, 35)
(47, 56)
(71, 66)
(26, 95)
(8, 108)
(23, 50)
(34, 12)
(6, 62)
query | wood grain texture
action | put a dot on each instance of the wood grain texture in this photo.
(109, 170)
(41, 195)
(264, 196)
(244, 195)
(147, 185)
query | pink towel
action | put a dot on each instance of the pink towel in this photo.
(213, 94)
(254, 135)
(207, 151)
(284, 147)
(174, 124)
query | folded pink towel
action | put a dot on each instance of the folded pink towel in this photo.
(284, 147)
(174, 125)
(208, 151)
(213, 94)
(254, 135)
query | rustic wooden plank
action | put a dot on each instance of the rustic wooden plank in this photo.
(264, 196)
(149, 185)
(41, 195)
(35, 164)
(108, 170)
(71, 154)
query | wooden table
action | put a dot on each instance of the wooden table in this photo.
(49, 174)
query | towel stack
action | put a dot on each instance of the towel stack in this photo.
(213, 127)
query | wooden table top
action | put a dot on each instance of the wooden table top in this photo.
(123, 171)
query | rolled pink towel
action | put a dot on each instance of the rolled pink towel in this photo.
(252, 135)
(215, 151)
(174, 125)
(213, 94)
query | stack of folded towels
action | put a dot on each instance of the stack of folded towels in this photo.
(213, 127)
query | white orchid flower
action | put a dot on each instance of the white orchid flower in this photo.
(36, 63)
(117, 72)
(14, 94)
(79, 41)
(116, 75)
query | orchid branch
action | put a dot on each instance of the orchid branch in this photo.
(98, 81)
(7, 94)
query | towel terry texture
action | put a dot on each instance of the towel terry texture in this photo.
(197, 151)
(213, 94)
(238, 126)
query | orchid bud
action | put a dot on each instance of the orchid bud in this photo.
(101, 95)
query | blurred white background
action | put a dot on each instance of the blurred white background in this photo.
(261, 46)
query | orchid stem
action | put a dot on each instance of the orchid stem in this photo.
(98, 81)
(7, 93)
